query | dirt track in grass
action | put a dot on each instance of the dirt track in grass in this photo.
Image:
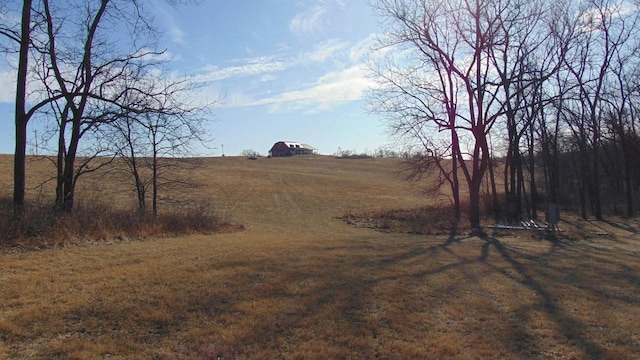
(300, 284)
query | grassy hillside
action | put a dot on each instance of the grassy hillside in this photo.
(300, 284)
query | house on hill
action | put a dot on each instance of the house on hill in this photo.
(290, 148)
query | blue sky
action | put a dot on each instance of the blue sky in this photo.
(283, 69)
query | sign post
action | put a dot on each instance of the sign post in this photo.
(553, 216)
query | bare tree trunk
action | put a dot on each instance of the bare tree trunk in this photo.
(60, 166)
(584, 182)
(532, 182)
(522, 191)
(68, 189)
(474, 203)
(142, 196)
(595, 175)
(141, 190)
(627, 179)
(494, 193)
(21, 119)
(155, 179)
(455, 181)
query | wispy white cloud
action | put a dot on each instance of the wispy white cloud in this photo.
(267, 78)
(326, 49)
(334, 88)
(361, 51)
(176, 33)
(250, 68)
(348, 81)
(7, 86)
(308, 22)
(264, 65)
(319, 18)
(174, 30)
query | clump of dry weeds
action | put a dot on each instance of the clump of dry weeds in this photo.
(429, 220)
(42, 226)
(440, 220)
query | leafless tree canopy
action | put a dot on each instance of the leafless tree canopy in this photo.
(515, 85)
(97, 65)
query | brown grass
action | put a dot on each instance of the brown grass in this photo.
(41, 226)
(301, 284)
(428, 220)
(104, 210)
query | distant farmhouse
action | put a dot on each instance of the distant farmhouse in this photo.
(290, 148)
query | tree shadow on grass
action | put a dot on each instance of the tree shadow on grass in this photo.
(381, 297)
(570, 327)
(370, 297)
(620, 226)
(536, 272)
(552, 281)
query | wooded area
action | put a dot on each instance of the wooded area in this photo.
(528, 103)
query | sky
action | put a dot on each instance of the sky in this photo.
(292, 70)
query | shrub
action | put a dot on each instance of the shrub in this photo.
(42, 226)
(424, 220)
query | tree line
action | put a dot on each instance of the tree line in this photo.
(92, 73)
(521, 102)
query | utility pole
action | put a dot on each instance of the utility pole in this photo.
(35, 136)
(222, 145)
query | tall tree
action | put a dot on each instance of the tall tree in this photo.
(97, 73)
(21, 118)
(622, 90)
(605, 30)
(148, 139)
(22, 37)
(533, 46)
(441, 74)
(43, 34)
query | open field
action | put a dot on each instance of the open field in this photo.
(298, 283)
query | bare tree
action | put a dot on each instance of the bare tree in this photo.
(622, 90)
(150, 140)
(250, 153)
(533, 46)
(21, 118)
(80, 81)
(23, 39)
(447, 69)
(101, 79)
(604, 31)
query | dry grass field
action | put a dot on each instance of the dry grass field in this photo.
(298, 283)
